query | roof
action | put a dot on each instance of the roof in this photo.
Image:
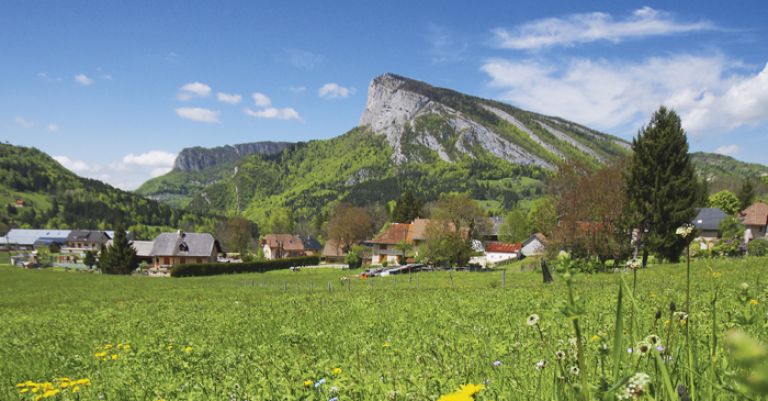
(143, 248)
(18, 236)
(755, 215)
(503, 247)
(291, 242)
(419, 229)
(184, 244)
(332, 249)
(50, 240)
(90, 236)
(538, 236)
(394, 234)
(708, 219)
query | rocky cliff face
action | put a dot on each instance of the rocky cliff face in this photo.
(397, 108)
(199, 158)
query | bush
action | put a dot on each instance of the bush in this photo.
(758, 247)
(354, 260)
(210, 269)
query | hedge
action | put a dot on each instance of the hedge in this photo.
(210, 269)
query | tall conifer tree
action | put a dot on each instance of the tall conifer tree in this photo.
(661, 185)
(120, 256)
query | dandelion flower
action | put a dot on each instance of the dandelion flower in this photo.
(100, 354)
(532, 320)
(114, 357)
(386, 344)
(336, 371)
(187, 349)
(308, 383)
(753, 302)
(595, 338)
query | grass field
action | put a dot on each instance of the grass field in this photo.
(286, 336)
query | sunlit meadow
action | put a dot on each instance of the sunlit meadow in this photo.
(312, 335)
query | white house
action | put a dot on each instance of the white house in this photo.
(534, 245)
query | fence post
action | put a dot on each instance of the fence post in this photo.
(349, 284)
(503, 279)
(417, 281)
(329, 286)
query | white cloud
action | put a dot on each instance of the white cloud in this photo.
(76, 166)
(590, 27)
(193, 89)
(261, 99)
(728, 150)
(155, 158)
(229, 98)
(23, 122)
(52, 127)
(301, 59)
(159, 171)
(704, 90)
(83, 79)
(198, 114)
(333, 90)
(287, 113)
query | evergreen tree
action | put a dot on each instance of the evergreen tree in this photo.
(89, 259)
(746, 194)
(661, 186)
(120, 257)
(407, 208)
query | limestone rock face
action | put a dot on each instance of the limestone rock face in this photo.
(198, 158)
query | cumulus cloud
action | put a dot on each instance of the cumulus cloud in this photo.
(83, 79)
(591, 27)
(76, 166)
(261, 99)
(154, 158)
(23, 122)
(704, 90)
(333, 90)
(157, 172)
(52, 127)
(198, 114)
(728, 150)
(193, 89)
(229, 98)
(287, 113)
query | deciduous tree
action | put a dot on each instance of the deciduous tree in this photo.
(349, 225)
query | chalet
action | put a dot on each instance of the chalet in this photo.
(180, 248)
(81, 241)
(534, 245)
(336, 254)
(279, 246)
(755, 218)
(24, 239)
(387, 246)
(707, 222)
(144, 251)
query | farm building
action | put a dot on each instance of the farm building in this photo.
(280, 246)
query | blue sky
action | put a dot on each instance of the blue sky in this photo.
(115, 89)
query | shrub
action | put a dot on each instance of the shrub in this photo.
(758, 247)
(261, 266)
(354, 260)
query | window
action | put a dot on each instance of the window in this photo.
(184, 247)
(183, 260)
(166, 261)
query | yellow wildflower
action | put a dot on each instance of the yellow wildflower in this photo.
(336, 371)
(308, 383)
(716, 274)
(753, 302)
(75, 389)
(187, 349)
(38, 397)
(595, 338)
(51, 393)
(24, 390)
(465, 393)
(82, 382)
(114, 357)
(386, 344)
(100, 354)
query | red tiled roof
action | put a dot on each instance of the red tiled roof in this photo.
(394, 234)
(755, 215)
(503, 247)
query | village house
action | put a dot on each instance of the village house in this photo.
(333, 253)
(755, 218)
(81, 241)
(387, 246)
(534, 245)
(280, 246)
(181, 248)
(707, 222)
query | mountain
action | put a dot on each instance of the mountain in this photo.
(411, 135)
(199, 158)
(725, 172)
(37, 191)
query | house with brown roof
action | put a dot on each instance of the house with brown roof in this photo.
(280, 246)
(755, 219)
(387, 245)
(494, 252)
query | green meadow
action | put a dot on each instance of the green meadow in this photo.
(311, 335)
